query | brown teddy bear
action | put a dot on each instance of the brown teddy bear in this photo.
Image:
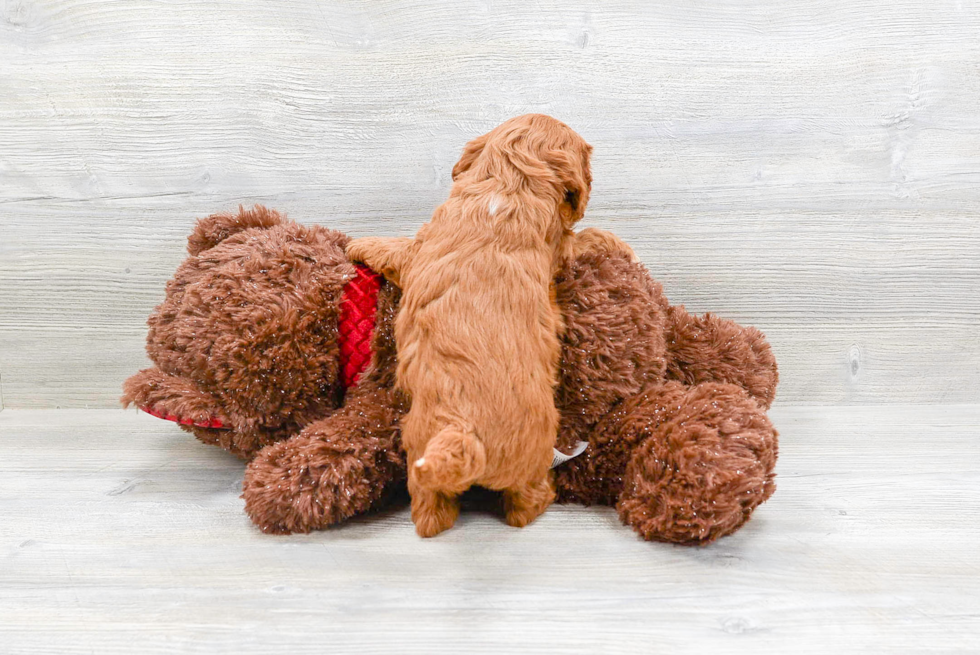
(274, 346)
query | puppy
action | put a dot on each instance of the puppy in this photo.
(478, 329)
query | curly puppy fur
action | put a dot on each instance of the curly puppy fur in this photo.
(478, 331)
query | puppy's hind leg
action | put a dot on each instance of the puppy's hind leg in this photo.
(525, 503)
(432, 511)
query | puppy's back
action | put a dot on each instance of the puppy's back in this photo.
(479, 350)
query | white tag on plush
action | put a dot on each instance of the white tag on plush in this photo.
(560, 458)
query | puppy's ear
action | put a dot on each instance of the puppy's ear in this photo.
(575, 173)
(471, 151)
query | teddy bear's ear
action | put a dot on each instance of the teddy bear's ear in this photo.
(209, 232)
(471, 151)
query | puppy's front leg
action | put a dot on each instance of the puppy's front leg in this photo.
(386, 255)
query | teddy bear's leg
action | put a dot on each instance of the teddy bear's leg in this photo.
(711, 349)
(703, 461)
(523, 505)
(386, 255)
(335, 468)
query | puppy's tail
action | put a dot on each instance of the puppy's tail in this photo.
(454, 459)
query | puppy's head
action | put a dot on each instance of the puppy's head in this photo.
(533, 147)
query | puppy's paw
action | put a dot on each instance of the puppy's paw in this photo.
(430, 526)
(386, 255)
(521, 506)
(433, 513)
(362, 249)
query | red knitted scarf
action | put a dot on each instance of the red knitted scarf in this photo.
(355, 328)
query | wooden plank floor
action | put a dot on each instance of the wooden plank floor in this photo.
(120, 534)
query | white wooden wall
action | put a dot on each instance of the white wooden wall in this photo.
(812, 167)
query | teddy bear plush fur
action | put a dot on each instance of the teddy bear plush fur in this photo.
(672, 406)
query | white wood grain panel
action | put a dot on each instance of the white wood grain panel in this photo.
(120, 529)
(811, 169)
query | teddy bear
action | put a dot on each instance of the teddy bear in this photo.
(271, 344)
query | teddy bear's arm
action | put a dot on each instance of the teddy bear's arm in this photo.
(712, 349)
(335, 468)
(592, 239)
(386, 255)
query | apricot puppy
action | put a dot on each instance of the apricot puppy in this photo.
(478, 329)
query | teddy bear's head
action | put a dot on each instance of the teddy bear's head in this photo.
(246, 340)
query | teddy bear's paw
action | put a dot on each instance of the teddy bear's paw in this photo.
(700, 474)
(306, 483)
